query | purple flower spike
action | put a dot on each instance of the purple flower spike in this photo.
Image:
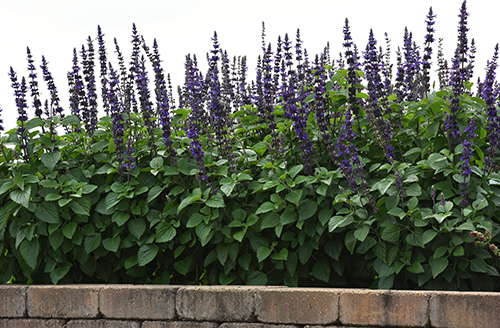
(54, 98)
(37, 104)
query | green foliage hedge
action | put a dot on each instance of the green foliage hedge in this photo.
(67, 216)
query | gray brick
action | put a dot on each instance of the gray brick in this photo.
(216, 303)
(151, 302)
(66, 302)
(103, 324)
(31, 323)
(12, 301)
(363, 307)
(255, 325)
(297, 305)
(464, 309)
(179, 324)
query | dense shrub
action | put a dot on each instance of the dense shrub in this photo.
(318, 173)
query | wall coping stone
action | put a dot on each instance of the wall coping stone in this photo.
(168, 306)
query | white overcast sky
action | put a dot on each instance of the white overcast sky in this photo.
(54, 27)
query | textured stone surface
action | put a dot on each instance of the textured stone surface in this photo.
(297, 306)
(138, 302)
(216, 303)
(464, 310)
(103, 324)
(362, 307)
(31, 323)
(12, 301)
(179, 324)
(68, 301)
(254, 325)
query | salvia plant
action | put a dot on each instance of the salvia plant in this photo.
(320, 172)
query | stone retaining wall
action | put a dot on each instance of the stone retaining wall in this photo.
(146, 306)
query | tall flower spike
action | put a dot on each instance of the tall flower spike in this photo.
(103, 65)
(19, 96)
(37, 104)
(468, 146)
(54, 98)
(88, 73)
(426, 63)
(352, 77)
(77, 90)
(490, 95)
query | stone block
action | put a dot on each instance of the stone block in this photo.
(103, 324)
(216, 303)
(150, 302)
(12, 301)
(65, 302)
(464, 309)
(362, 307)
(254, 325)
(179, 324)
(31, 323)
(297, 306)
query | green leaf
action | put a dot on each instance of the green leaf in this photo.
(69, 229)
(339, 222)
(265, 207)
(478, 265)
(216, 201)
(52, 197)
(59, 273)
(416, 267)
(386, 282)
(391, 233)
(294, 196)
(307, 210)
(56, 239)
(414, 190)
(120, 218)
(282, 255)
(305, 252)
(33, 123)
(396, 211)
(227, 188)
(361, 233)
(92, 242)
(21, 196)
(136, 227)
(99, 145)
(194, 220)
(50, 159)
(153, 193)
(47, 212)
(321, 271)
(18, 179)
(63, 202)
(29, 251)
(147, 253)
(111, 200)
(270, 220)
(257, 278)
(350, 241)
(6, 186)
(384, 184)
(189, 200)
(183, 266)
(156, 163)
(438, 266)
(263, 253)
(112, 243)
(165, 232)
(428, 236)
(295, 170)
(81, 207)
